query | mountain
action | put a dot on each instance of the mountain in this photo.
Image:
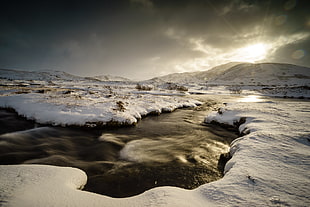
(195, 77)
(108, 78)
(228, 74)
(244, 74)
(264, 74)
(37, 75)
(50, 75)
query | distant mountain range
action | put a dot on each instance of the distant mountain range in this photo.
(36, 75)
(108, 78)
(53, 75)
(234, 73)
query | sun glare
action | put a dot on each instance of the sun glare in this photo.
(250, 98)
(253, 53)
(250, 53)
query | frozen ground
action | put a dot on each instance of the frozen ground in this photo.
(271, 79)
(61, 99)
(269, 167)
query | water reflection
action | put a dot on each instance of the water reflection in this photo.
(251, 98)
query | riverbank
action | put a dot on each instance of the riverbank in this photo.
(269, 167)
(173, 149)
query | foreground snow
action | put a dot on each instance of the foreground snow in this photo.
(269, 167)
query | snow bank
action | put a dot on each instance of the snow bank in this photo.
(269, 167)
(39, 185)
(81, 109)
(27, 185)
(58, 98)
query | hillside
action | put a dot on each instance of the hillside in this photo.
(245, 74)
(195, 77)
(50, 75)
(264, 74)
(37, 75)
(108, 78)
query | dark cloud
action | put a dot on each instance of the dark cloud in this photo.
(294, 53)
(144, 38)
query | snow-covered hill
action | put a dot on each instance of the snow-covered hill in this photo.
(235, 73)
(37, 75)
(194, 77)
(264, 74)
(108, 78)
(49, 75)
(245, 74)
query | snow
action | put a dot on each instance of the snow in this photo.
(68, 111)
(108, 78)
(42, 185)
(244, 74)
(269, 167)
(270, 79)
(264, 74)
(34, 75)
(86, 104)
(270, 163)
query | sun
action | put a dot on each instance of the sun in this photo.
(250, 53)
(256, 51)
(253, 53)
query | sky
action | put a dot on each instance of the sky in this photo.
(141, 39)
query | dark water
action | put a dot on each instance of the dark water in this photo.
(173, 149)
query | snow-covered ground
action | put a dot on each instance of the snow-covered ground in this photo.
(270, 164)
(271, 79)
(62, 99)
(89, 110)
(269, 167)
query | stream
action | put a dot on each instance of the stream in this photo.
(173, 149)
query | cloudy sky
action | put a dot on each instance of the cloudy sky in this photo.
(140, 39)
